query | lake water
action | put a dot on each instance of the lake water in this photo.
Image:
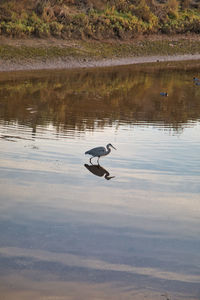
(127, 229)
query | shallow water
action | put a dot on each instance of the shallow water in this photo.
(127, 229)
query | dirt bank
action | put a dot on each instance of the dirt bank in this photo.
(36, 54)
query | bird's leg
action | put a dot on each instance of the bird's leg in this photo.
(98, 160)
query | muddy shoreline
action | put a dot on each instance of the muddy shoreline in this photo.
(71, 63)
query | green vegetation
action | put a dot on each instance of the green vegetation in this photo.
(95, 50)
(98, 19)
(22, 53)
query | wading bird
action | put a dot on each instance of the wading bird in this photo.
(99, 151)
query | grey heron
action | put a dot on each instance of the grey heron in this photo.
(99, 151)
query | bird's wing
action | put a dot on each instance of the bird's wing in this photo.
(99, 151)
(96, 151)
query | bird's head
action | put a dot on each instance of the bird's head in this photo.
(110, 145)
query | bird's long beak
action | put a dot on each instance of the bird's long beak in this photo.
(113, 147)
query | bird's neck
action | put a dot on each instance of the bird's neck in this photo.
(108, 177)
(108, 149)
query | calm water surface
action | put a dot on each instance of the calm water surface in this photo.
(128, 229)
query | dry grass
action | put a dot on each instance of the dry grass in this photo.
(96, 19)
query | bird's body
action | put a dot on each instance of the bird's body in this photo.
(164, 94)
(99, 151)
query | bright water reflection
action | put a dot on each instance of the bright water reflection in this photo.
(66, 232)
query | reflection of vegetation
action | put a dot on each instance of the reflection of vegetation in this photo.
(72, 100)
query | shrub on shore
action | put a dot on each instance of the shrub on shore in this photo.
(99, 19)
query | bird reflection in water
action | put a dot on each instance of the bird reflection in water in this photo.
(99, 171)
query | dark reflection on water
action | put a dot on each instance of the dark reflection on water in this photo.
(99, 171)
(66, 234)
(89, 99)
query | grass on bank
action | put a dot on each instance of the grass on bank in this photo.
(98, 50)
